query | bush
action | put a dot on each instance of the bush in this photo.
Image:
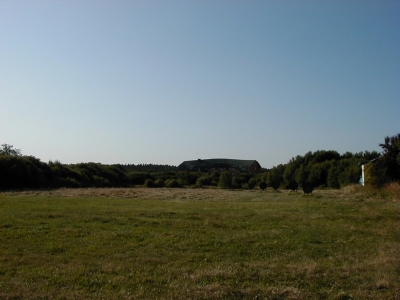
(101, 182)
(275, 185)
(307, 187)
(149, 183)
(391, 158)
(159, 183)
(172, 183)
(235, 182)
(252, 183)
(293, 186)
(214, 177)
(71, 183)
(139, 177)
(24, 172)
(225, 180)
(203, 180)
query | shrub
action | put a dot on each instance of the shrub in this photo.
(293, 186)
(149, 183)
(71, 183)
(203, 180)
(225, 180)
(235, 182)
(182, 182)
(275, 185)
(159, 183)
(307, 187)
(172, 183)
(101, 182)
(252, 183)
(138, 177)
(214, 177)
(24, 172)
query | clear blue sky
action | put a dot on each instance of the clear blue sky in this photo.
(166, 81)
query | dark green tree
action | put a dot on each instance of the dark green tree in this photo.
(9, 150)
(275, 185)
(307, 187)
(387, 167)
(275, 175)
(290, 170)
(301, 174)
(333, 177)
(263, 185)
(293, 186)
(391, 157)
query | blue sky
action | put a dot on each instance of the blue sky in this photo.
(166, 81)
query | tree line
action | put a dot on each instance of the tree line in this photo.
(325, 169)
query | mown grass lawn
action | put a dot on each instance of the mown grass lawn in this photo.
(245, 245)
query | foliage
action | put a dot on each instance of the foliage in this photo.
(235, 182)
(149, 183)
(252, 183)
(275, 185)
(333, 177)
(375, 174)
(203, 180)
(387, 168)
(159, 183)
(139, 178)
(172, 183)
(307, 187)
(225, 180)
(188, 178)
(263, 185)
(9, 150)
(275, 175)
(321, 168)
(18, 172)
(293, 185)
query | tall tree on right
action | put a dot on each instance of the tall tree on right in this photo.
(391, 156)
(387, 167)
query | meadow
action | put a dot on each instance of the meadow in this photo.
(137, 243)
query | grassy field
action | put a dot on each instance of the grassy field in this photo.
(198, 244)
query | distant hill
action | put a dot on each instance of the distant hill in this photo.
(149, 168)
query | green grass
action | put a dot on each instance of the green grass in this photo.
(260, 245)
